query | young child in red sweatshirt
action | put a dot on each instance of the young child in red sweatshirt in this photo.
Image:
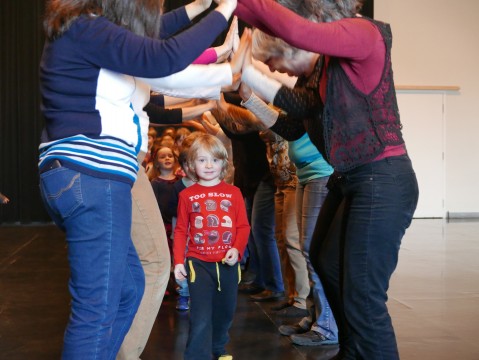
(211, 234)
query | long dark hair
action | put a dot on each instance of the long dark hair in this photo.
(142, 17)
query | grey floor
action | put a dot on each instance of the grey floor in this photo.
(433, 300)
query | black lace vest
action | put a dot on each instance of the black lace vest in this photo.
(357, 127)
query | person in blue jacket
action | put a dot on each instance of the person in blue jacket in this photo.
(88, 151)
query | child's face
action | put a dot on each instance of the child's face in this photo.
(207, 167)
(165, 159)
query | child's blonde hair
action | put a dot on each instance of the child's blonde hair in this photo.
(210, 144)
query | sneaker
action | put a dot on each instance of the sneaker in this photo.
(225, 357)
(311, 338)
(288, 330)
(183, 303)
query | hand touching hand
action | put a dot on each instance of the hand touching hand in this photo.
(248, 55)
(239, 57)
(231, 256)
(224, 51)
(180, 272)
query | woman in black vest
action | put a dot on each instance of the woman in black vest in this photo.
(374, 192)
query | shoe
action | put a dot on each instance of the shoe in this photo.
(288, 330)
(282, 305)
(293, 311)
(311, 338)
(183, 303)
(267, 295)
(249, 288)
(226, 357)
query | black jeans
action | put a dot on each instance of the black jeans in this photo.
(355, 251)
(213, 295)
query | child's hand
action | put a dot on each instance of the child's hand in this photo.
(231, 256)
(180, 272)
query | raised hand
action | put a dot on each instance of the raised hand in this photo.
(239, 57)
(248, 56)
(224, 51)
(196, 7)
(226, 7)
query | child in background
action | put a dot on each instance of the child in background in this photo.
(181, 134)
(152, 134)
(165, 164)
(212, 228)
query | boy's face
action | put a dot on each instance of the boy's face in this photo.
(207, 167)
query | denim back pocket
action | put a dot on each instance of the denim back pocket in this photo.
(61, 189)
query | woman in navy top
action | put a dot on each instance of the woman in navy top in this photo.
(88, 154)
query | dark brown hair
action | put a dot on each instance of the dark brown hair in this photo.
(142, 17)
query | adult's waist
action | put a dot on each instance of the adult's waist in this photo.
(50, 165)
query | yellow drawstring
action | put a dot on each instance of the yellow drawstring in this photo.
(239, 273)
(193, 274)
(192, 271)
(218, 275)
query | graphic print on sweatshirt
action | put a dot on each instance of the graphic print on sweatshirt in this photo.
(212, 221)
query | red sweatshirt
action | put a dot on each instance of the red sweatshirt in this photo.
(211, 220)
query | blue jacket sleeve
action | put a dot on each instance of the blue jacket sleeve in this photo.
(173, 21)
(108, 46)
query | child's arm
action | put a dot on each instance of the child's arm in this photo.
(242, 227)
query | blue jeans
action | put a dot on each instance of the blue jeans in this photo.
(182, 288)
(263, 251)
(309, 199)
(106, 278)
(355, 251)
